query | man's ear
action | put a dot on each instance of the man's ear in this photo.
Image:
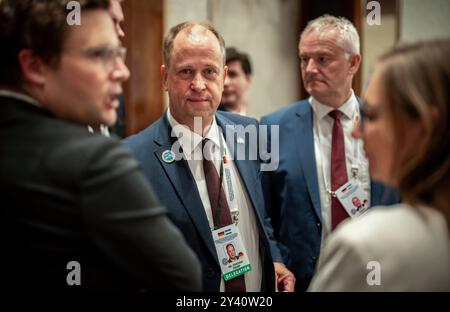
(164, 76)
(33, 67)
(225, 73)
(355, 61)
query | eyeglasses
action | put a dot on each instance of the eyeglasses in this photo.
(107, 56)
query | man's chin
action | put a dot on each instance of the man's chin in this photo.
(110, 119)
(317, 93)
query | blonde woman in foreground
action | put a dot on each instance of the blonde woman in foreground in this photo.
(405, 126)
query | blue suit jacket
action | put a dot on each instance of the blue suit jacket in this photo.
(177, 191)
(292, 192)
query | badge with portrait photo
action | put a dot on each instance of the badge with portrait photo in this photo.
(231, 253)
(353, 198)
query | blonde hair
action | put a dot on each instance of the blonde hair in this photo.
(416, 80)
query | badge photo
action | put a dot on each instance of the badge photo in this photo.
(231, 253)
(353, 198)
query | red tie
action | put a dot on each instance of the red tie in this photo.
(220, 210)
(338, 168)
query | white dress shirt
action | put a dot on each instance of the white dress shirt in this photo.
(191, 143)
(323, 132)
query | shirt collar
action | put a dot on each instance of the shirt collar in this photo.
(19, 96)
(188, 139)
(322, 110)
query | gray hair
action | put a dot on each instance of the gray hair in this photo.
(175, 30)
(348, 36)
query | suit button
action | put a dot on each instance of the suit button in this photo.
(314, 258)
(210, 272)
(318, 225)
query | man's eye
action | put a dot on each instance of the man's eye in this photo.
(210, 73)
(102, 53)
(304, 59)
(323, 59)
(185, 71)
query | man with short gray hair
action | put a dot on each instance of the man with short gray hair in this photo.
(317, 152)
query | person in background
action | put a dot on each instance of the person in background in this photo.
(77, 213)
(406, 112)
(317, 154)
(237, 83)
(116, 12)
(120, 127)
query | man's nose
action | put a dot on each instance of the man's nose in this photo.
(311, 66)
(198, 83)
(121, 71)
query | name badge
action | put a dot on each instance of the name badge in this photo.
(233, 257)
(229, 191)
(353, 198)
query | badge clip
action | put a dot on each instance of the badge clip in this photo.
(354, 171)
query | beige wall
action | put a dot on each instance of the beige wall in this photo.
(421, 19)
(177, 11)
(418, 19)
(376, 39)
(268, 31)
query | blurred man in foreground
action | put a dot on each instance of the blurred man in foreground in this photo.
(76, 211)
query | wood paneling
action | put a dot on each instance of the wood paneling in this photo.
(143, 28)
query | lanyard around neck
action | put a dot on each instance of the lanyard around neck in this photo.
(356, 159)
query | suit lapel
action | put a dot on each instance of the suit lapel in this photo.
(305, 150)
(181, 178)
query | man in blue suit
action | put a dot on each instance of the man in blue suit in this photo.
(317, 153)
(189, 157)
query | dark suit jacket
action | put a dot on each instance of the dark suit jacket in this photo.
(176, 188)
(292, 192)
(68, 195)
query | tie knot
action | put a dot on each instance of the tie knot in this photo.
(208, 149)
(335, 114)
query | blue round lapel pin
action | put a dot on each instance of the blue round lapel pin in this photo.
(168, 156)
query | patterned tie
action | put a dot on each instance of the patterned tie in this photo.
(220, 210)
(338, 168)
